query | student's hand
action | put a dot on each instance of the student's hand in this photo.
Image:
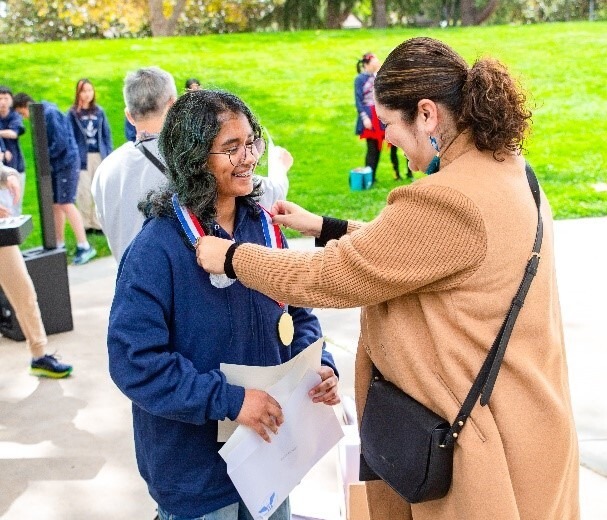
(211, 253)
(8, 156)
(283, 158)
(261, 412)
(295, 217)
(326, 391)
(4, 212)
(367, 123)
(14, 187)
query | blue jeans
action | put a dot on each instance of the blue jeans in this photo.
(236, 511)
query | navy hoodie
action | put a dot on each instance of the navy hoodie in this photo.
(62, 149)
(169, 330)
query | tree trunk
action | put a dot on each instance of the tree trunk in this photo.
(160, 25)
(333, 14)
(470, 14)
(380, 19)
(337, 12)
(484, 15)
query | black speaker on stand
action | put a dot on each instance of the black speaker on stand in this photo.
(47, 265)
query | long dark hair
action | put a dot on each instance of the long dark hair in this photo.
(484, 98)
(190, 127)
(79, 86)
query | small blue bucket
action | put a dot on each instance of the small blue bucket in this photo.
(361, 178)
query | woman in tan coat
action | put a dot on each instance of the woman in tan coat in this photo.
(435, 274)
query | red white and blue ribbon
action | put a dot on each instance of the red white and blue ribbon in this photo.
(189, 222)
(193, 230)
(271, 232)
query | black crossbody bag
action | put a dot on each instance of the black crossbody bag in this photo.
(409, 446)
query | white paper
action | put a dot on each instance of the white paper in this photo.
(262, 378)
(265, 473)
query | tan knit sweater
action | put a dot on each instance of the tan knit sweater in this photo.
(435, 273)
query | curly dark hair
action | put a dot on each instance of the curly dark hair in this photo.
(484, 99)
(190, 127)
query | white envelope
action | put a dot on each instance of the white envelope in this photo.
(265, 473)
(262, 378)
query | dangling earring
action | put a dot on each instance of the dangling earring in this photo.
(434, 165)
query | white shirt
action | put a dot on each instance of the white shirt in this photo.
(122, 180)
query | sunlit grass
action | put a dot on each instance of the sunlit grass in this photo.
(301, 87)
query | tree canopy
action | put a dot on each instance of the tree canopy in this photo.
(43, 20)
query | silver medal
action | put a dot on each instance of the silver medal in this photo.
(221, 281)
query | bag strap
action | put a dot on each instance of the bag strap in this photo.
(151, 157)
(485, 380)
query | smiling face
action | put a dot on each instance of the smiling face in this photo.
(412, 138)
(233, 180)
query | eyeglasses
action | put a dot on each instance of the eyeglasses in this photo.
(238, 154)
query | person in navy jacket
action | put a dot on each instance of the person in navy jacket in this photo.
(171, 324)
(130, 132)
(94, 140)
(64, 162)
(11, 129)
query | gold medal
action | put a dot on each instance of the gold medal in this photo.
(286, 330)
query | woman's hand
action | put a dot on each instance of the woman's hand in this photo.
(295, 217)
(261, 412)
(326, 391)
(211, 253)
(4, 212)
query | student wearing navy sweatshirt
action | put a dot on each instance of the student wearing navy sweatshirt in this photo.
(94, 140)
(171, 324)
(11, 129)
(64, 161)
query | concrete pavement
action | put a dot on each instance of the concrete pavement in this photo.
(66, 448)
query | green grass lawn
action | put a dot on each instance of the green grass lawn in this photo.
(300, 84)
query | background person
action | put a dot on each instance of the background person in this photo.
(11, 128)
(64, 161)
(130, 132)
(192, 84)
(368, 127)
(127, 175)
(166, 338)
(436, 273)
(18, 287)
(94, 140)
